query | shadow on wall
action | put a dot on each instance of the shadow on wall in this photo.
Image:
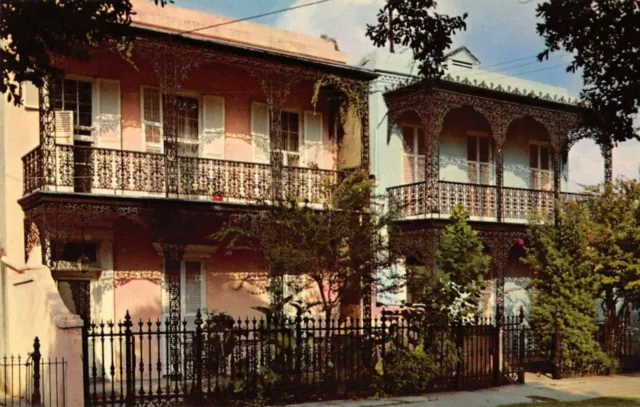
(35, 308)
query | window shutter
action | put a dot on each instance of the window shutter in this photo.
(30, 95)
(108, 117)
(193, 288)
(213, 127)
(313, 137)
(260, 132)
(64, 126)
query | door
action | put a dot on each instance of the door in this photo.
(479, 174)
(540, 176)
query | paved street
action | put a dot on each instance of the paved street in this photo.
(536, 389)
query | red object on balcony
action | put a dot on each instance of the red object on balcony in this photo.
(217, 198)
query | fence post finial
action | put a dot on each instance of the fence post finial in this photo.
(36, 398)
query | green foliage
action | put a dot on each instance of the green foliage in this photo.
(565, 288)
(330, 250)
(416, 24)
(33, 33)
(407, 371)
(604, 38)
(615, 212)
(452, 292)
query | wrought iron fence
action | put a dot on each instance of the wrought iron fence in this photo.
(33, 381)
(624, 336)
(542, 352)
(100, 170)
(479, 200)
(220, 359)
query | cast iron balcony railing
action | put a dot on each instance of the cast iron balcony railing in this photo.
(108, 171)
(480, 201)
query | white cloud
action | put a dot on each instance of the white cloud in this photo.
(586, 165)
(344, 20)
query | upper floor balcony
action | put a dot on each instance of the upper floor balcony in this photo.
(480, 201)
(502, 156)
(198, 119)
(102, 171)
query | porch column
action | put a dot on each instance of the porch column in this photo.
(47, 173)
(607, 154)
(432, 116)
(170, 135)
(557, 171)
(173, 254)
(499, 178)
(364, 132)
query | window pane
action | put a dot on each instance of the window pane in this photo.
(152, 134)
(70, 93)
(472, 148)
(293, 142)
(484, 149)
(544, 158)
(290, 133)
(421, 140)
(151, 105)
(533, 156)
(84, 92)
(188, 122)
(407, 139)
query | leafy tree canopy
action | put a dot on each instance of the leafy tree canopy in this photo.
(451, 293)
(321, 258)
(604, 38)
(565, 288)
(416, 24)
(32, 32)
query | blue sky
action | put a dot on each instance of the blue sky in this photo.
(498, 31)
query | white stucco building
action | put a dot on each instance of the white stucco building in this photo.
(494, 143)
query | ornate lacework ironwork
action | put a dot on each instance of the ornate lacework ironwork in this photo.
(499, 243)
(114, 171)
(432, 107)
(479, 200)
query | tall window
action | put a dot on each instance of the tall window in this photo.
(414, 154)
(188, 128)
(540, 166)
(152, 118)
(75, 95)
(478, 159)
(291, 138)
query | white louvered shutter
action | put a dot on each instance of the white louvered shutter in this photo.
(30, 95)
(193, 287)
(313, 138)
(212, 140)
(260, 132)
(64, 127)
(108, 116)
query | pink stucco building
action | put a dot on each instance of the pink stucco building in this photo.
(116, 176)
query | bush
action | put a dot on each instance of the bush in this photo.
(407, 371)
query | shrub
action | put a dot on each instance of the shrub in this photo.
(407, 371)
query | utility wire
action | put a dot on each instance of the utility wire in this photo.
(253, 17)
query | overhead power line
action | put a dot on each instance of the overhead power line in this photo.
(253, 17)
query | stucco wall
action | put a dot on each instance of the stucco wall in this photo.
(237, 87)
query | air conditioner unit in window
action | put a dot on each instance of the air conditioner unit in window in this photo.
(64, 126)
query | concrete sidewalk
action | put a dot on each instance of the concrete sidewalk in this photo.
(537, 389)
